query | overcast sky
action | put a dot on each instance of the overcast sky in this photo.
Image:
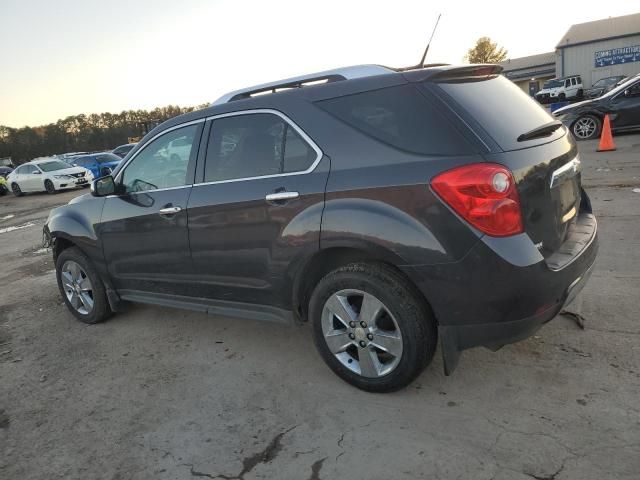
(64, 57)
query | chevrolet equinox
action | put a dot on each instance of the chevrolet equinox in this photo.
(389, 209)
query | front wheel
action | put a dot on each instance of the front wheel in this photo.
(81, 287)
(15, 188)
(371, 327)
(586, 127)
(49, 186)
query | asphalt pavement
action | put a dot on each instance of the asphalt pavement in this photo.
(167, 394)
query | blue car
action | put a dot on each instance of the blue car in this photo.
(100, 164)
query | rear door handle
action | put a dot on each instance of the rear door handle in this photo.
(169, 210)
(280, 196)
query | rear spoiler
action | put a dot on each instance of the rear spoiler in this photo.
(476, 71)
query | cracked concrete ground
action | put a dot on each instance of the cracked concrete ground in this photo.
(166, 394)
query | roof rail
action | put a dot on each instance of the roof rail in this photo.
(338, 74)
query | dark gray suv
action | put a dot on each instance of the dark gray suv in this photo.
(387, 208)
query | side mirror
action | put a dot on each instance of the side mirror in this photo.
(37, 172)
(103, 186)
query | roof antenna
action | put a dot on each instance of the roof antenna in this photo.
(426, 50)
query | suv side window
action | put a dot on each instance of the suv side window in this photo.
(567, 83)
(152, 168)
(255, 145)
(401, 117)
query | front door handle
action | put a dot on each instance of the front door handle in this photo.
(169, 210)
(281, 196)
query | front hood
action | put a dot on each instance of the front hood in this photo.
(572, 107)
(80, 199)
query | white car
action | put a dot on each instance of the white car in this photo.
(560, 89)
(179, 149)
(47, 175)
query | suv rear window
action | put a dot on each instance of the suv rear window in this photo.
(401, 117)
(502, 109)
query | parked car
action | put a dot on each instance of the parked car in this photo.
(122, 150)
(388, 209)
(5, 171)
(68, 157)
(4, 188)
(560, 89)
(584, 119)
(100, 164)
(47, 174)
(602, 86)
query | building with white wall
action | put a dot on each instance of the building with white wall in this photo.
(593, 50)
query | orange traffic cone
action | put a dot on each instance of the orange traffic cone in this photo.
(606, 140)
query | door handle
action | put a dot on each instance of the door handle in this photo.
(280, 196)
(169, 210)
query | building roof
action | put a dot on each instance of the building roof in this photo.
(613, 27)
(533, 66)
(542, 59)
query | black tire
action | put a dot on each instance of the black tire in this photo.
(414, 318)
(101, 310)
(580, 94)
(562, 97)
(15, 188)
(3, 190)
(582, 136)
(49, 186)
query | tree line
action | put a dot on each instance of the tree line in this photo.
(84, 133)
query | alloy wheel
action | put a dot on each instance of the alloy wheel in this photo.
(77, 287)
(585, 128)
(362, 333)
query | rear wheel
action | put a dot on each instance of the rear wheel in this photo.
(81, 287)
(15, 188)
(49, 187)
(371, 327)
(586, 127)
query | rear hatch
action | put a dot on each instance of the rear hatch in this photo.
(522, 136)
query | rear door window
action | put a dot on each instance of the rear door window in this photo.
(502, 109)
(401, 117)
(255, 145)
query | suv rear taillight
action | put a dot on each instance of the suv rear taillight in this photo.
(485, 195)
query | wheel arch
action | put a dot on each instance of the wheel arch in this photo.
(327, 260)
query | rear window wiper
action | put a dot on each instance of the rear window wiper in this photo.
(541, 131)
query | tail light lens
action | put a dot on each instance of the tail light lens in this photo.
(485, 195)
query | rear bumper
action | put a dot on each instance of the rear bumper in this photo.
(455, 339)
(501, 292)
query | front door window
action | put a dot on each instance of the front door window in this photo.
(158, 166)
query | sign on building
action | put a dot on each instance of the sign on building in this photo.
(616, 56)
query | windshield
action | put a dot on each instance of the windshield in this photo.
(552, 84)
(622, 87)
(53, 165)
(107, 157)
(603, 82)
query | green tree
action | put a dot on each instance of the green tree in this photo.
(486, 51)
